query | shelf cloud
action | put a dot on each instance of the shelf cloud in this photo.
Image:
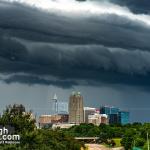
(68, 42)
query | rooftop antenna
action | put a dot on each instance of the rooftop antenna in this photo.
(56, 103)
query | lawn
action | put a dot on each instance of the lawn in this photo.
(85, 148)
(117, 141)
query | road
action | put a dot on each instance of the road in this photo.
(101, 147)
(96, 147)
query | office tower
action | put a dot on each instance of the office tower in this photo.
(62, 107)
(55, 100)
(114, 110)
(112, 113)
(113, 118)
(88, 111)
(108, 110)
(123, 117)
(76, 108)
(105, 110)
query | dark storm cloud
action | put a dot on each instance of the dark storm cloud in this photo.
(30, 80)
(105, 29)
(137, 6)
(90, 49)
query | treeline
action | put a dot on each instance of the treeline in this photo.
(131, 135)
(31, 137)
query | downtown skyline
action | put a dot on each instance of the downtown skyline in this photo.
(98, 47)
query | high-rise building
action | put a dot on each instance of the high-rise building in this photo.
(113, 118)
(55, 100)
(76, 108)
(62, 107)
(105, 110)
(108, 110)
(115, 115)
(112, 112)
(123, 117)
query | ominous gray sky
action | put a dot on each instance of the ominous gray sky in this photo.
(98, 47)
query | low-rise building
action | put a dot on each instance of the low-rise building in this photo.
(104, 119)
(88, 111)
(97, 119)
(48, 120)
(62, 125)
(64, 118)
(45, 120)
(94, 119)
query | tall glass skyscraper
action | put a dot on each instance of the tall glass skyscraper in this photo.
(123, 117)
(115, 115)
(113, 118)
(108, 110)
(105, 110)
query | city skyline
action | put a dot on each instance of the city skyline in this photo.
(64, 109)
(77, 114)
(98, 47)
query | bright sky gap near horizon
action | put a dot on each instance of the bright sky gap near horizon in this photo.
(98, 47)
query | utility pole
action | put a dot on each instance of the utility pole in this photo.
(134, 143)
(147, 141)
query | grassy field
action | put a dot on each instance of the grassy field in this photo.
(117, 141)
(85, 148)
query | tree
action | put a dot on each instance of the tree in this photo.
(128, 138)
(139, 142)
(16, 117)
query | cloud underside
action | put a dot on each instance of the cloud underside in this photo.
(50, 48)
(137, 6)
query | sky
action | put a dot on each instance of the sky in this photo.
(98, 47)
